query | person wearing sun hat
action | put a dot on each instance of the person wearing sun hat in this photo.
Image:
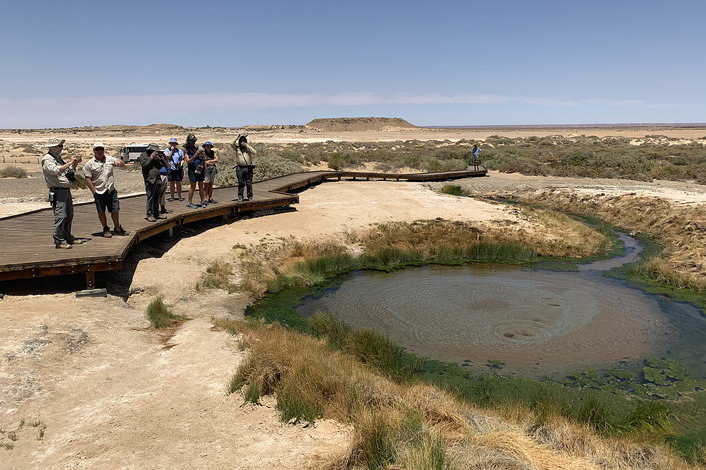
(58, 175)
(244, 166)
(98, 172)
(151, 161)
(210, 160)
(175, 174)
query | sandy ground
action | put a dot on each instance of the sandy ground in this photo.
(111, 394)
(108, 392)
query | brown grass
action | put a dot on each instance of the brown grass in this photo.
(681, 228)
(545, 232)
(413, 425)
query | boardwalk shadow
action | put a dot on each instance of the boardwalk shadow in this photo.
(118, 283)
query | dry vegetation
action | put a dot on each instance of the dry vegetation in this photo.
(274, 264)
(682, 229)
(415, 425)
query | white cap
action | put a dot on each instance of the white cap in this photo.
(98, 145)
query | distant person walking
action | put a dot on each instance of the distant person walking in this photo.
(151, 161)
(58, 175)
(244, 168)
(210, 160)
(175, 156)
(98, 172)
(196, 170)
(476, 156)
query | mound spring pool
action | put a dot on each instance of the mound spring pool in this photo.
(534, 322)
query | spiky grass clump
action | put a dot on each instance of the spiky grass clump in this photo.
(161, 317)
(413, 425)
(453, 189)
(271, 268)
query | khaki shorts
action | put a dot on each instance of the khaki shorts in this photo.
(210, 176)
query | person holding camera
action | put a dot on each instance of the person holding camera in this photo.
(244, 166)
(98, 172)
(151, 161)
(210, 161)
(196, 169)
(59, 175)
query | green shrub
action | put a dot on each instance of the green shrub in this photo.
(453, 189)
(161, 317)
(13, 172)
(80, 182)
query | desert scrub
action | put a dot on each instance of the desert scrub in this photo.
(13, 172)
(217, 276)
(267, 165)
(161, 317)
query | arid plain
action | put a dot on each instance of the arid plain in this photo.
(86, 383)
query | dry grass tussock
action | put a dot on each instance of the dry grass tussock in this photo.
(275, 264)
(682, 229)
(415, 425)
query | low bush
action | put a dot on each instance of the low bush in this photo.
(13, 172)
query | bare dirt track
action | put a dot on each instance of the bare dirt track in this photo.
(85, 383)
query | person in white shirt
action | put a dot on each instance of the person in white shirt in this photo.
(100, 180)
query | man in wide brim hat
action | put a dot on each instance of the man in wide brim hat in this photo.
(56, 174)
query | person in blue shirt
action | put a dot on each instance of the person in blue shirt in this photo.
(476, 156)
(175, 173)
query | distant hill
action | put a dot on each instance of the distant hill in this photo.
(358, 124)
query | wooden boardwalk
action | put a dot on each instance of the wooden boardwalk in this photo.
(27, 249)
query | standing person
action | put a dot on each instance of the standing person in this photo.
(476, 156)
(210, 160)
(244, 169)
(151, 161)
(100, 180)
(196, 169)
(58, 176)
(163, 184)
(175, 156)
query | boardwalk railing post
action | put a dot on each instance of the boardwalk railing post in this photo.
(90, 278)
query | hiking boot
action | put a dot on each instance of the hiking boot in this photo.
(150, 218)
(192, 206)
(106, 232)
(163, 210)
(203, 205)
(120, 231)
(160, 216)
(62, 246)
(170, 198)
(75, 241)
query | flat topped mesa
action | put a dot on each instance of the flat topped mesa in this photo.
(358, 124)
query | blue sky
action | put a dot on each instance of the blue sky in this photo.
(225, 63)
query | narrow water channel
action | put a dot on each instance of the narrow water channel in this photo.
(536, 322)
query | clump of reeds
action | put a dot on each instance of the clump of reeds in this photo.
(412, 425)
(161, 317)
(273, 267)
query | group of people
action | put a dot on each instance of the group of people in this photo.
(162, 168)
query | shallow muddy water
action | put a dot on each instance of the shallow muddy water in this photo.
(537, 322)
